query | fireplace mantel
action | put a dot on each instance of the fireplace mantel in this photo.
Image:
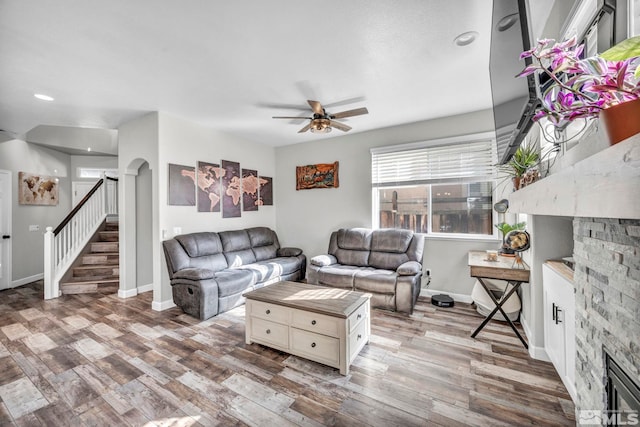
(605, 185)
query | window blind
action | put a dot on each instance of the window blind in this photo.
(460, 162)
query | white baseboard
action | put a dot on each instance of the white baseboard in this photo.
(162, 305)
(456, 297)
(145, 288)
(538, 353)
(128, 293)
(26, 280)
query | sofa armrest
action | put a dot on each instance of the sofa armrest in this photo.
(289, 251)
(324, 260)
(409, 268)
(194, 274)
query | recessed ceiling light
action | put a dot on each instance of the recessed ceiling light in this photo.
(507, 22)
(466, 38)
(43, 97)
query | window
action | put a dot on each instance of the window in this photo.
(437, 187)
(96, 173)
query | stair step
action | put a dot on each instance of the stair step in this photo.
(104, 247)
(112, 226)
(101, 258)
(80, 285)
(109, 236)
(96, 270)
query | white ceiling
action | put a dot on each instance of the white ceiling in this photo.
(231, 65)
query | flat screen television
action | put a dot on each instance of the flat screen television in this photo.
(514, 99)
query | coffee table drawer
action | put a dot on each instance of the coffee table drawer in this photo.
(273, 312)
(271, 332)
(316, 347)
(357, 338)
(314, 322)
(360, 314)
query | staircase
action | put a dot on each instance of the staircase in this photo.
(98, 268)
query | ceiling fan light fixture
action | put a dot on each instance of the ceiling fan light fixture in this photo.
(320, 126)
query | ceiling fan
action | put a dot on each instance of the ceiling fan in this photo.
(323, 122)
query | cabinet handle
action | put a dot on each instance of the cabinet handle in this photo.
(553, 311)
(558, 310)
(268, 311)
(359, 316)
(313, 322)
(359, 336)
(313, 344)
(268, 331)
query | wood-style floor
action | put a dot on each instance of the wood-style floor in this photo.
(98, 360)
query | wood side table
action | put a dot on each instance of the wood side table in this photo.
(502, 269)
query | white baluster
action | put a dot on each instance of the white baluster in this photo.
(49, 265)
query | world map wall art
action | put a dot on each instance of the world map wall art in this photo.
(219, 187)
(35, 189)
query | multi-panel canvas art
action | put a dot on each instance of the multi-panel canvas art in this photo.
(182, 185)
(219, 187)
(231, 190)
(250, 188)
(208, 179)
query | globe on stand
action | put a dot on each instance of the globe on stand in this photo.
(519, 241)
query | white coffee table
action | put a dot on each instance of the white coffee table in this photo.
(326, 325)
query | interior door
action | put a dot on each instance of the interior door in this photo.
(5, 229)
(80, 189)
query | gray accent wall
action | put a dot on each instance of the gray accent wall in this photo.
(306, 218)
(144, 228)
(28, 246)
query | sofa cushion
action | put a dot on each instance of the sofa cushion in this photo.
(200, 244)
(352, 257)
(377, 281)
(354, 238)
(265, 252)
(240, 258)
(235, 240)
(387, 260)
(234, 281)
(267, 270)
(338, 276)
(261, 236)
(391, 240)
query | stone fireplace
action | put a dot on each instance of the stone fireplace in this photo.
(600, 191)
(607, 281)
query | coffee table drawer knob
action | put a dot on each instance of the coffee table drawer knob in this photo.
(313, 345)
(268, 331)
(313, 322)
(268, 311)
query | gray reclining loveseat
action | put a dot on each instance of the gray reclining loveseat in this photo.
(209, 271)
(386, 263)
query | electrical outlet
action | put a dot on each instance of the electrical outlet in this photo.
(177, 231)
(34, 228)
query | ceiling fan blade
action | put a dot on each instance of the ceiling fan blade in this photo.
(316, 107)
(306, 128)
(289, 117)
(349, 113)
(340, 126)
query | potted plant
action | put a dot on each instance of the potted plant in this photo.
(525, 158)
(588, 87)
(504, 229)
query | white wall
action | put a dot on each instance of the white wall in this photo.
(306, 218)
(28, 247)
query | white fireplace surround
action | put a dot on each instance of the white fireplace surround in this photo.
(604, 185)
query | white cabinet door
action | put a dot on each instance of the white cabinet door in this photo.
(559, 325)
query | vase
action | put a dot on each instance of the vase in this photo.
(516, 182)
(621, 121)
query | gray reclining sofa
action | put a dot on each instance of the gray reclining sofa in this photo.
(209, 271)
(386, 263)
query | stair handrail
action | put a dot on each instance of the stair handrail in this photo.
(64, 243)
